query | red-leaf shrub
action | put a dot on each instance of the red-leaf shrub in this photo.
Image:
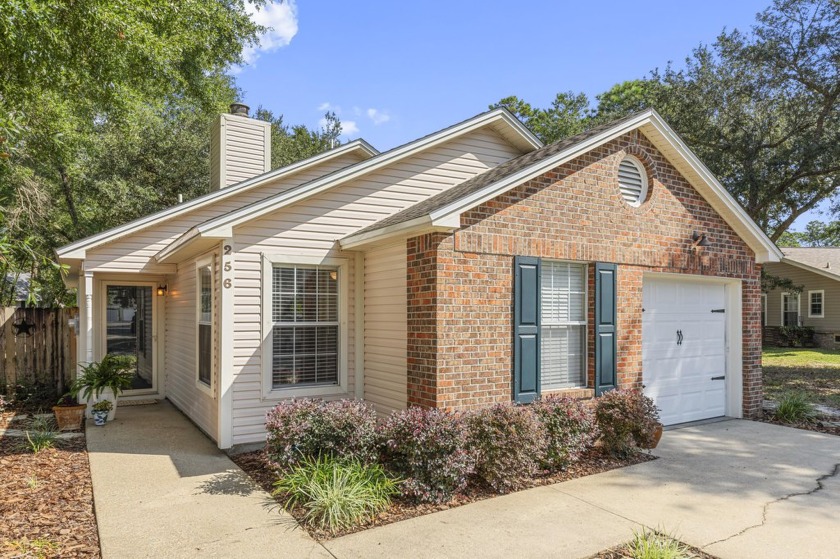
(627, 419)
(508, 442)
(343, 429)
(427, 449)
(569, 427)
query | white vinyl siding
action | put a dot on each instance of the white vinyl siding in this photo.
(811, 281)
(240, 149)
(562, 325)
(181, 350)
(386, 328)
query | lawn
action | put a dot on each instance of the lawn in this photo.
(815, 372)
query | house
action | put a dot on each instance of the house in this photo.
(817, 271)
(467, 267)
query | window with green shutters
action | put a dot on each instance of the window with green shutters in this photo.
(563, 325)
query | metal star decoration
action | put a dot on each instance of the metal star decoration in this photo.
(23, 328)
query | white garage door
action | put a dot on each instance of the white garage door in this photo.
(684, 348)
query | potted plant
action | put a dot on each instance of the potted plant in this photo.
(69, 413)
(100, 411)
(107, 378)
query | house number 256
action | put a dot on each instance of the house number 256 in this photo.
(227, 267)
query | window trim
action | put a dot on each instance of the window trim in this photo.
(798, 307)
(209, 389)
(585, 323)
(645, 181)
(266, 354)
(822, 303)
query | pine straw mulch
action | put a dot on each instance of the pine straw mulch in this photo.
(596, 461)
(624, 551)
(819, 424)
(46, 500)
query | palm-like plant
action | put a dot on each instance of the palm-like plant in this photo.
(114, 372)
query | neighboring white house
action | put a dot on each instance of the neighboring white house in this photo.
(312, 279)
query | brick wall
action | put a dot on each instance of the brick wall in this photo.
(460, 286)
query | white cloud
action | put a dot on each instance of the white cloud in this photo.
(281, 21)
(327, 106)
(378, 117)
(348, 127)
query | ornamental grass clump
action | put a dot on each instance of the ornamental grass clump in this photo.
(569, 428)
(301, 428)
(793, 407)
(336, 494)
(627, 420)
(508, 442)
(427, 448)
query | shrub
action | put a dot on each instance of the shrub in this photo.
(336, 494)
(569, 428)
(344, 429)
(793, 407)
(427, 448)
(649, 544)
(627, 419)
(508, 443)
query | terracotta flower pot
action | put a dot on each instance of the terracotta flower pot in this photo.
(657, 435)
(69, 418)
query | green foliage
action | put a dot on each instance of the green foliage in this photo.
(336, 495)
(769, 282)
(295, 143)
(793, 407)
(509, 443)
(40, 440)
(30, 396)
(428, 448)
(796, 336)
(569, 427)
(627, 420)
(650, 544)
(39, 548)
(114, 371)
(566, 116)
(816, 234)
(103, 405)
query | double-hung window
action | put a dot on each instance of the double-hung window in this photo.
(816, 301)
(204, 319)
(305, 326)
(563, 325)
(790, 309)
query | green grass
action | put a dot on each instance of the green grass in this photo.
(336, 495)
(812, 372)
(794, 407)
(649, 544)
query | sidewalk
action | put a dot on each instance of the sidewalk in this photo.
(162, 489)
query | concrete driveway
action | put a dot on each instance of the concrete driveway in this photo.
(737, 489)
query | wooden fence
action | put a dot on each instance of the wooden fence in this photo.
(37, 346)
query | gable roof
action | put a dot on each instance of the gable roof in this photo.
(76, 250)
(443, 211)
(221, 227)
(819, 260)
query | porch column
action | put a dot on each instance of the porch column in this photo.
(88, 349)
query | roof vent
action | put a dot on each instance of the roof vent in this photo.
(240, 109)
(632, 181)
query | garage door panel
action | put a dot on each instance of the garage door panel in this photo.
(678, 376)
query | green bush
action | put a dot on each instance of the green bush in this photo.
(428, 449)
(569, 427)
(627, 419)
(336, 495)
(793, 407)
(509, 443)
(301, 428)
(654, 545)
(114, 371)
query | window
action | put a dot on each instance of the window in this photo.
(764, 309)
(632, 181)
(790, 309)
(816, 300)
(305, 325)
(563, 325)
(204, 318)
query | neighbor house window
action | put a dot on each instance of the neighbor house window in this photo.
(305, 325)
(563, 325)
(816, 301)
(205, 322)
(790, 309)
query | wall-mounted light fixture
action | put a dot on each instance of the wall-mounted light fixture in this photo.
(161, 290)
(699, 241)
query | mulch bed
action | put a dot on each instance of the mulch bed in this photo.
(818, 424)
(46, 500)
(595, 461)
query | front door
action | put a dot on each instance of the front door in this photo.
(130, 330)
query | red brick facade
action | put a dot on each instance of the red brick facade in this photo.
(460, 286)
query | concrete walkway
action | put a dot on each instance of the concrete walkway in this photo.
(737, 489)
(162, 489)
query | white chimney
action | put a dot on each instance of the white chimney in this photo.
(240, 148)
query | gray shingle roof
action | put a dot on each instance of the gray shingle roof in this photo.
(825, 259)
(489, 177)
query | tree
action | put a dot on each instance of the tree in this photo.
(290, 144)
(566, 116)
(816, 234)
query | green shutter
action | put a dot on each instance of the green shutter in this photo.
(605, 327)
(526, 335)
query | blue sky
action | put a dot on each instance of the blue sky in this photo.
(394, 71)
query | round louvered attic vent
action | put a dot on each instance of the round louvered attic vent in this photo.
(632, 181)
